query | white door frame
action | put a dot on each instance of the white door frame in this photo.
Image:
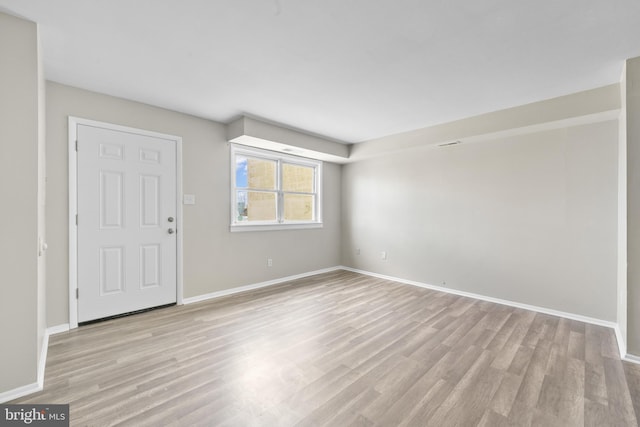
(73, 207)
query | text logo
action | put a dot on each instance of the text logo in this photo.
(34, 415)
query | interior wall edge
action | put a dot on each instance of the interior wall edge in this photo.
(621, 288)
(42, 361)
(20, 172)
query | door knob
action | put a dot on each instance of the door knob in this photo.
(170, 219)
(170, 231)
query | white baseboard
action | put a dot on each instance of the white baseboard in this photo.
(622, 345)
(19, 392)
(52, 330)
(631, 359)
(42, 362)
(543, 310)
(239, 289)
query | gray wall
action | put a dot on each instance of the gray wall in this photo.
(633, 204)
(19, 195)
(214, 258)
(529, 218)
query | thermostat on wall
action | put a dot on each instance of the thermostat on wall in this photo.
(189, 199)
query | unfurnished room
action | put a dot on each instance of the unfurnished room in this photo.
(319, 213)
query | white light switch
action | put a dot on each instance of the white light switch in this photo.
(189, 199)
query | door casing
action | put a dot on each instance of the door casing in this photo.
(73, 208)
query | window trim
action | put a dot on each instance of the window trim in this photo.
(280, 223)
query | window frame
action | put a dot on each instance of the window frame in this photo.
(280, 158)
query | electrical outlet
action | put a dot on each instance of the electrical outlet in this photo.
(269, 262)
(383, 255)
(444, 283)
(358, 251)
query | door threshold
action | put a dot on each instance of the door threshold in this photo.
(130, 313)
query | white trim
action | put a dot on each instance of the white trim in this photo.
(19, 392)
(240, 228)
(622, 229)
(239, 289)
(58, 329)
(73, 206)
(572, 316)
(42, 362)
(632, 359)
(179, 223)
(73, 231)
(622, 347)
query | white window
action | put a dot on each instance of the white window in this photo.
(270, 190)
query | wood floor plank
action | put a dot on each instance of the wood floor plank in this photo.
(493, 419)
(596, 414)
(340, 349)
(619, 400)
(632, 374)
(502, 400)
(474, 390)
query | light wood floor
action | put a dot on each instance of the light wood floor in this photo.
(339, 349)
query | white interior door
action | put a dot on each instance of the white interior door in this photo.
(127, 207)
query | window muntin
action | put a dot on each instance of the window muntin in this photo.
(272, 189)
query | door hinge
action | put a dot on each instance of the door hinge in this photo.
(76, 219)
(76, 145)
(77, 293)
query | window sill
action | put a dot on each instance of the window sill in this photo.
(235, 228)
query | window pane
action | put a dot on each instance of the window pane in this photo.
(297, 178)
(254, 206)
(261, 174)
(261, 206)
(241, 206)
(241, 172)
(298, 207)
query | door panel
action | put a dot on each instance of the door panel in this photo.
(149, 266)
(149, 201)
(111, 271)
(111, 200)
(126, 195)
